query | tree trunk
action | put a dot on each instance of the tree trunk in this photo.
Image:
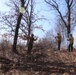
(17, 29)
(16, 34)
(69, 19)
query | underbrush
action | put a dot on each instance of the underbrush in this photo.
(43, 60)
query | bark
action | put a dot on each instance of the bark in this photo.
(17, 29)
(16, 34)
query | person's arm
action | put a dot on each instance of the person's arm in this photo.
(35, 38)
(26, 38)
(56, 37)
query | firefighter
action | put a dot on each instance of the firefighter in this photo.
(59, 40)
(71, 40)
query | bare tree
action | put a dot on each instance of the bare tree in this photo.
(55, 4)
(17, 27)
(24, 23)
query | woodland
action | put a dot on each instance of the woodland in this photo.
(21, 20)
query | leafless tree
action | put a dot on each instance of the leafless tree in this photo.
(67, 17)
(17, 27)
(24, 23)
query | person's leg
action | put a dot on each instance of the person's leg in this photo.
(59, 43)
(69, 48)
(72, 47)
(30, 48)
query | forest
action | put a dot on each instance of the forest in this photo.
(23, 52)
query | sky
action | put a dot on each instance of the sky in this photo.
(3, 8)
(44, 11)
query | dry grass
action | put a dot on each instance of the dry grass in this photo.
(42, 61)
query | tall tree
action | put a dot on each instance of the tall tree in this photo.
(24, 23)
(68, 6)
(18, 25)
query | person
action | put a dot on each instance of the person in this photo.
(31, 40)
(71, 40)
(59, 40)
